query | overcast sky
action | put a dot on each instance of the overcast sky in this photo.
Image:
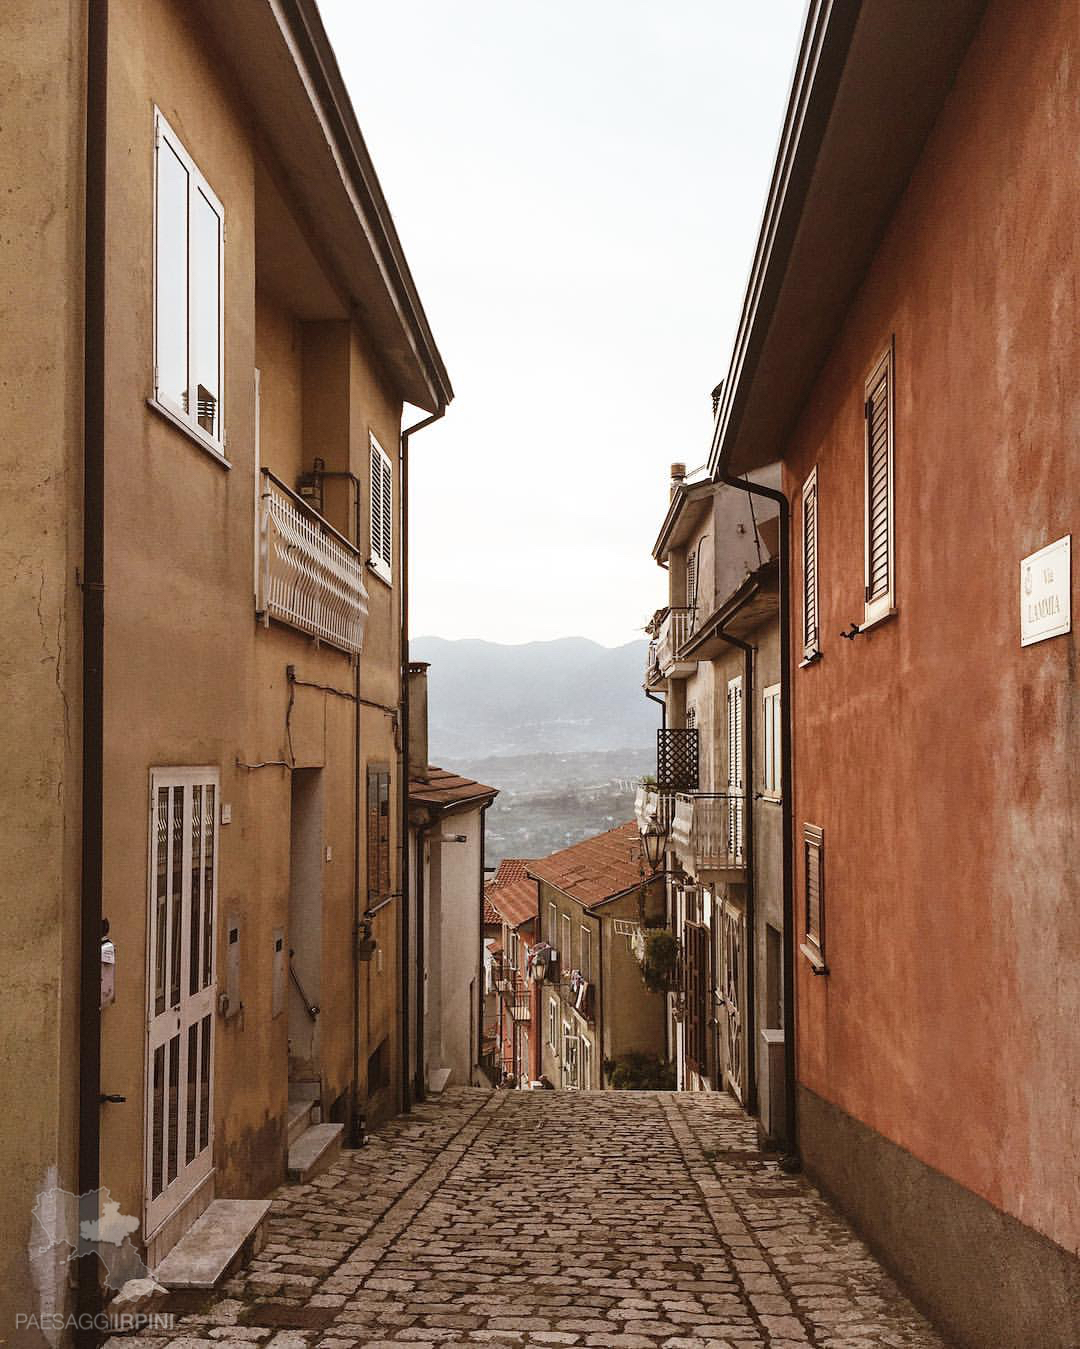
(578, 186)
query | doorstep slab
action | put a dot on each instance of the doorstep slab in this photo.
(437, 1080)
(317, 1148)
(208, 1249)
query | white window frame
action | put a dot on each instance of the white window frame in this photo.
(811, 640)
(381, 535)
(883, 605)
(771, 759)
(585, 938)
(565, 954)
(553, 1024)
(571, 1067)
(183, 417)
(553, 926)
(584, 1063)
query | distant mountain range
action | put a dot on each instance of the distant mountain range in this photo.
(566, 696)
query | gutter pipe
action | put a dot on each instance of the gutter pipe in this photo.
(655, 698)
(792, 1161)
(93, 638)
(751, 914)
(403, 754)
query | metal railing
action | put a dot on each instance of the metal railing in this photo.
(651, 803)
(675, 628)
(310, 576)
(708, 830)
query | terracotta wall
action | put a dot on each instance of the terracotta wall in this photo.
(938, 756)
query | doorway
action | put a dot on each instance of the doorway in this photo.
(305, 934)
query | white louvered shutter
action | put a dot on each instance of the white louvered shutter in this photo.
(810, 566)
(736, 766)
(382, 511)
(879, 490)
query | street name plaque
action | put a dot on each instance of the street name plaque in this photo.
(1045, 592)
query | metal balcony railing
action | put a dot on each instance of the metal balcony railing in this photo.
(310, 576)
(652, 664)
(708, 831)
(652, 804)
(675, 628)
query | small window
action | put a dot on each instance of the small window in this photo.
(553, 1024)
(189, 233)
(770, 742)
(814, 895)
(811, 631)
(586, 954)
(382, 512)
(378, 835)
(880, 593)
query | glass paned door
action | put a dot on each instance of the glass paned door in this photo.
(181, 987)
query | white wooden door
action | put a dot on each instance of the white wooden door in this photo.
(181, 988)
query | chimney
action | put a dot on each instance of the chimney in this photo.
(416, 691)
(678, 477)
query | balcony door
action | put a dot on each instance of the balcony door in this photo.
(179, 1136)
(736, 769)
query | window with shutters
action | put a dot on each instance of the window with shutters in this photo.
(189, 236)
(585, 964)
(553, 926)
(814, 895)
(736, 768)
(880, 593)
(382, 512)
(378, 835)
(811, 626)
(691, 578)
(696, 976)
(553, 1024)
(770, 743)
(565, 958)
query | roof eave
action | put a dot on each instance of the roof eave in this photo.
(868, 86)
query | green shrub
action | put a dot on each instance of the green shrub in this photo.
(660, 957)
(640, 1072)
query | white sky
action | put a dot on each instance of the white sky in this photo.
(578, 186)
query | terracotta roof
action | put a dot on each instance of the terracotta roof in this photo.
(597, 868)
(510, 869)
(516, 902)
(491, 913)
(442, 789)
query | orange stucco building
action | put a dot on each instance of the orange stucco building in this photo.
(909, 349)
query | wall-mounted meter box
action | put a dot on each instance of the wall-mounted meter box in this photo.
(108, 973)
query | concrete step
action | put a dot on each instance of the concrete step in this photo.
(230, 1232)
(437, 1080)
(317, 1148)
(302, 1115)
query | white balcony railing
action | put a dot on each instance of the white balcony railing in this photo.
(708, 831)
(310, 576)
(651, 804)
(675, 628)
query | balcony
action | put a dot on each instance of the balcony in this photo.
(675, 629)
(708, 834)
(310, 576)
(654, 804)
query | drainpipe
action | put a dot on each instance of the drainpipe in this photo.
(788, 782)
(93, 637)
(403, 755)
(655, 698)
(751, 917)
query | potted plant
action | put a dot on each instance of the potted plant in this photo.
(659, 957)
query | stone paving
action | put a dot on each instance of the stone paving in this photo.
(619, 1220)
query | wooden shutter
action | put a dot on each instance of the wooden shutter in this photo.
(813, 856)
(691, 579)
(378, 835)
(810, 567)
(382, 510)
(880, 543)
(736, 778)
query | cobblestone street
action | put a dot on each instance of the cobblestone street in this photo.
(523, 1218)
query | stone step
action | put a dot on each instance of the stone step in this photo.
(226, 1235)
(301, 1116)
(317, 1148)
(437, 1080)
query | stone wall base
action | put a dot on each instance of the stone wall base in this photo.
(983, 1278)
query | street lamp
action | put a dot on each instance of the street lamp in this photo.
(653, 840)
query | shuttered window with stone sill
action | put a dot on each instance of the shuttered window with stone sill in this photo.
(811, 629)
(382, 512)
(814, 895)
(880, 534)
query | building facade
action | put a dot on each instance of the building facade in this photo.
(217, 536)
(925, 409)
(596, 900)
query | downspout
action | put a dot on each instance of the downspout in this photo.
(480, 987)
(655, 698)
(787, 804)
(93, 637)
(403, 755)
(748, 725)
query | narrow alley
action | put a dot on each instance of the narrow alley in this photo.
(617, 1219)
